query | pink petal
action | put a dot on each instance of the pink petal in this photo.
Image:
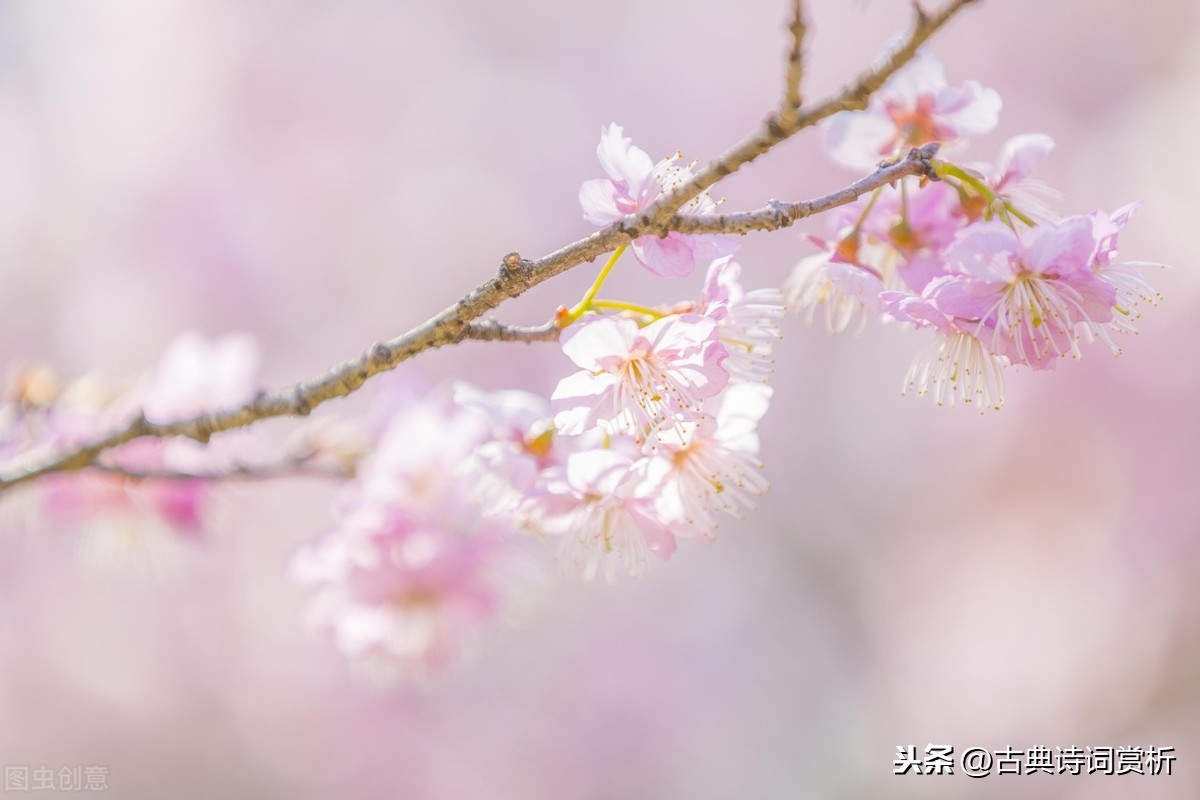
(595, 338)
(599, 201)
(984, 251)
(922, 75)
(858, 140)
(963, 297)
(671, 257)
(969, 111)
(578, 398)
(679, 334)
(622, 161)
(1061, 247)
(597, 471)
(1020, 156)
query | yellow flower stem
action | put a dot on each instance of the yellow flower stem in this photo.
(1003, 206)
(1017, 213)
(584, 305)
(865, 212)
(621, 305)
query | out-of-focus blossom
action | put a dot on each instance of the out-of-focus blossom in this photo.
(399, 595)
(1010, 178)
(638, 379)
(197, 375)
(633, 183)
(915, 107)
(124, 511)
(420, 558)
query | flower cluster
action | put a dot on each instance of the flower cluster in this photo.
(419, 559)
(975, 256)
(659, 425)
(645, 444)
(654, 435)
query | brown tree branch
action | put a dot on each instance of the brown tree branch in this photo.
(775, 215)
(795, 65)
(516, 275)
(776, 128)
(490, 330)
(288, 468)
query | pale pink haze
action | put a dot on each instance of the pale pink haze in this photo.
(198, 375)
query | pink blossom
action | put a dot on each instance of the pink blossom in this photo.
(956, 367)
(601, 510)
(521, 444)
(416, 460)
(1131, 285)
(1019, 157)
(847, 292)
(1011, 179)
(420, 559)
(915, 107)
(399, 596)
(747, 322)
(713, 467)
(634, 182)
(1030, 295)
(638, 379)
(912, 228)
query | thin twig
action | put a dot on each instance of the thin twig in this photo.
(516, 275)
(775, 129)
(239, 472)
(776, 215)
(795, 65)
(305, 463)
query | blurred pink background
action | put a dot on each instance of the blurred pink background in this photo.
(326, 175)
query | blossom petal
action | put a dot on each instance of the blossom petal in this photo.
(622, 161)
(1020, 156)
(599, 201)
(671, 257)
(858, 140)
(594, 338)
(1063, 247)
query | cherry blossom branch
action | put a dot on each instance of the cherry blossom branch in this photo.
(289, 468)
(516, 275)
(775, 215)
(490, 330)
(779, 125)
